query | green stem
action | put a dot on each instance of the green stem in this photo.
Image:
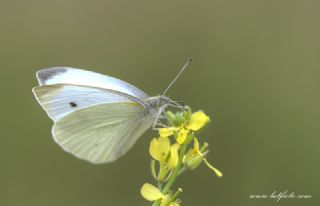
(175, 195)
(182, 170)
(153, 169)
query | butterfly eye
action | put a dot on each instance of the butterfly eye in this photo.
(72, 104)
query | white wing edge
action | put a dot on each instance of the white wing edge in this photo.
(70, 75)
(43, 108)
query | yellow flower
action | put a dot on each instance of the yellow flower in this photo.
(192, 160)
(167, 131)
(165, 201)
(167, 156)
(182, 135)
(194, 157)
(150, 192)
(174, 156)
(159, 148)
(197, 121)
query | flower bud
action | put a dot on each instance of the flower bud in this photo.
(192, 160)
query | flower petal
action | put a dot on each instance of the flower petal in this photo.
(174, 156)
(150, 192)
(196, 149)
(167, 131)
(182, 135)
(165, 200)
(198, 120)
(159, 148)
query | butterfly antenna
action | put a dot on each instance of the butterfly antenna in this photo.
(178, 75)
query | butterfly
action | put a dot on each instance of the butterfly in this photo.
(97, 118)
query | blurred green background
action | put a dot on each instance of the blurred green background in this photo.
(256, 73)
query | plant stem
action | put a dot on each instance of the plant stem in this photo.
(175, 195)
(182, 170)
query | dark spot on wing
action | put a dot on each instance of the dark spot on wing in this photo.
(45, 74)
(72, 104)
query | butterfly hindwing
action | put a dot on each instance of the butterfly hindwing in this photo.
(102, 133)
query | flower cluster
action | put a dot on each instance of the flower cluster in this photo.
(171, 155)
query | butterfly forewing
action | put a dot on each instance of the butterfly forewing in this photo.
(68, 75)
(60, 100)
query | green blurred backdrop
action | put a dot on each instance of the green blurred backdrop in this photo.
(256, 73)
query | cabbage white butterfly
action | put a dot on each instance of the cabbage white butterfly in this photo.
(96, 117)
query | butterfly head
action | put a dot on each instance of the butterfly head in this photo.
(161, 102)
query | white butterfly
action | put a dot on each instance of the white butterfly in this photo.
(96, 117)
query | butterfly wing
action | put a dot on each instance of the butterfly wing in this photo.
(102, 133)
(58, 100)
(68, 75)
(97, 118)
